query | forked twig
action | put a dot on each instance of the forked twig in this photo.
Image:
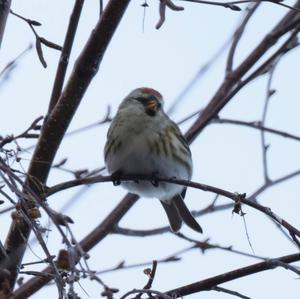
(38, 39)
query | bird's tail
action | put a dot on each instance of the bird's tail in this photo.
(185, 214)
(174, 217)
(177, 212)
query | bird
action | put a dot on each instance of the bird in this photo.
(143, 140)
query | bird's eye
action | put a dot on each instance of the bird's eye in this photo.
(149, 100)
(141, 100)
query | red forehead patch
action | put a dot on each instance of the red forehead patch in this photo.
(152, 92)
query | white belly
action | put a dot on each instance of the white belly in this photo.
(136, 158)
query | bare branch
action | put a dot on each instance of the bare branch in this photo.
(238, 198)
(232, 4)
(39, 40)
(162, 10)
(224, 93)
(150, 292)
(274, 182)
(65, 54)
(166, 229)
(211, 282)
(264, 146)
(238, 34)
(58, 121)
(101, 179)
(255, 125)
(92, 239)
(151, 274)
(4, 12)
(11, 65)
(25, 134)
(230, 292)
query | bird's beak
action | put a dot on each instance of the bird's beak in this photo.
(152, 105)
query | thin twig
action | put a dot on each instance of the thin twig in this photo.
(211, 282)
(232, 4)
(100, 7)
(150, 292)
(65, 54)
(255, 125)
(273, 183)
(162, 11)
(205, 245)
(230, 292)
(278, 263)
(10, 66)
(11, 183)
(227, 89)
(4, 12)
(197, 77)
(151, 276)
(283, 49)
(107, 118)
(38, 39)
(34, 126)
(87, 243)
(264, 146)
(166, 229)
(54, 129)
(237, 36)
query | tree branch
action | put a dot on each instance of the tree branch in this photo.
(237, 198)
(65, 54)
(255, 125)
(237, 36)
(224, 94)
(54, 129)
(4, 12)
(87, 243)
(209, 283)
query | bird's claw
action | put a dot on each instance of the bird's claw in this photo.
(116, 182)
(116, 178)
(154, 180)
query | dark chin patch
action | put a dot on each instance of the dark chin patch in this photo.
(150, 112)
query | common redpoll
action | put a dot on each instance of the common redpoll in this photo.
(142, 140)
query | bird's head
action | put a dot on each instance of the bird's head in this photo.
(148, 99)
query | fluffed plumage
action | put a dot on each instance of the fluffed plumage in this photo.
(142, 140)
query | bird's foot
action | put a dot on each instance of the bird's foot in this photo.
(154, 179)
(116, 178)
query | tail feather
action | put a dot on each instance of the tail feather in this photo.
(174, 217)
(185, 214)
